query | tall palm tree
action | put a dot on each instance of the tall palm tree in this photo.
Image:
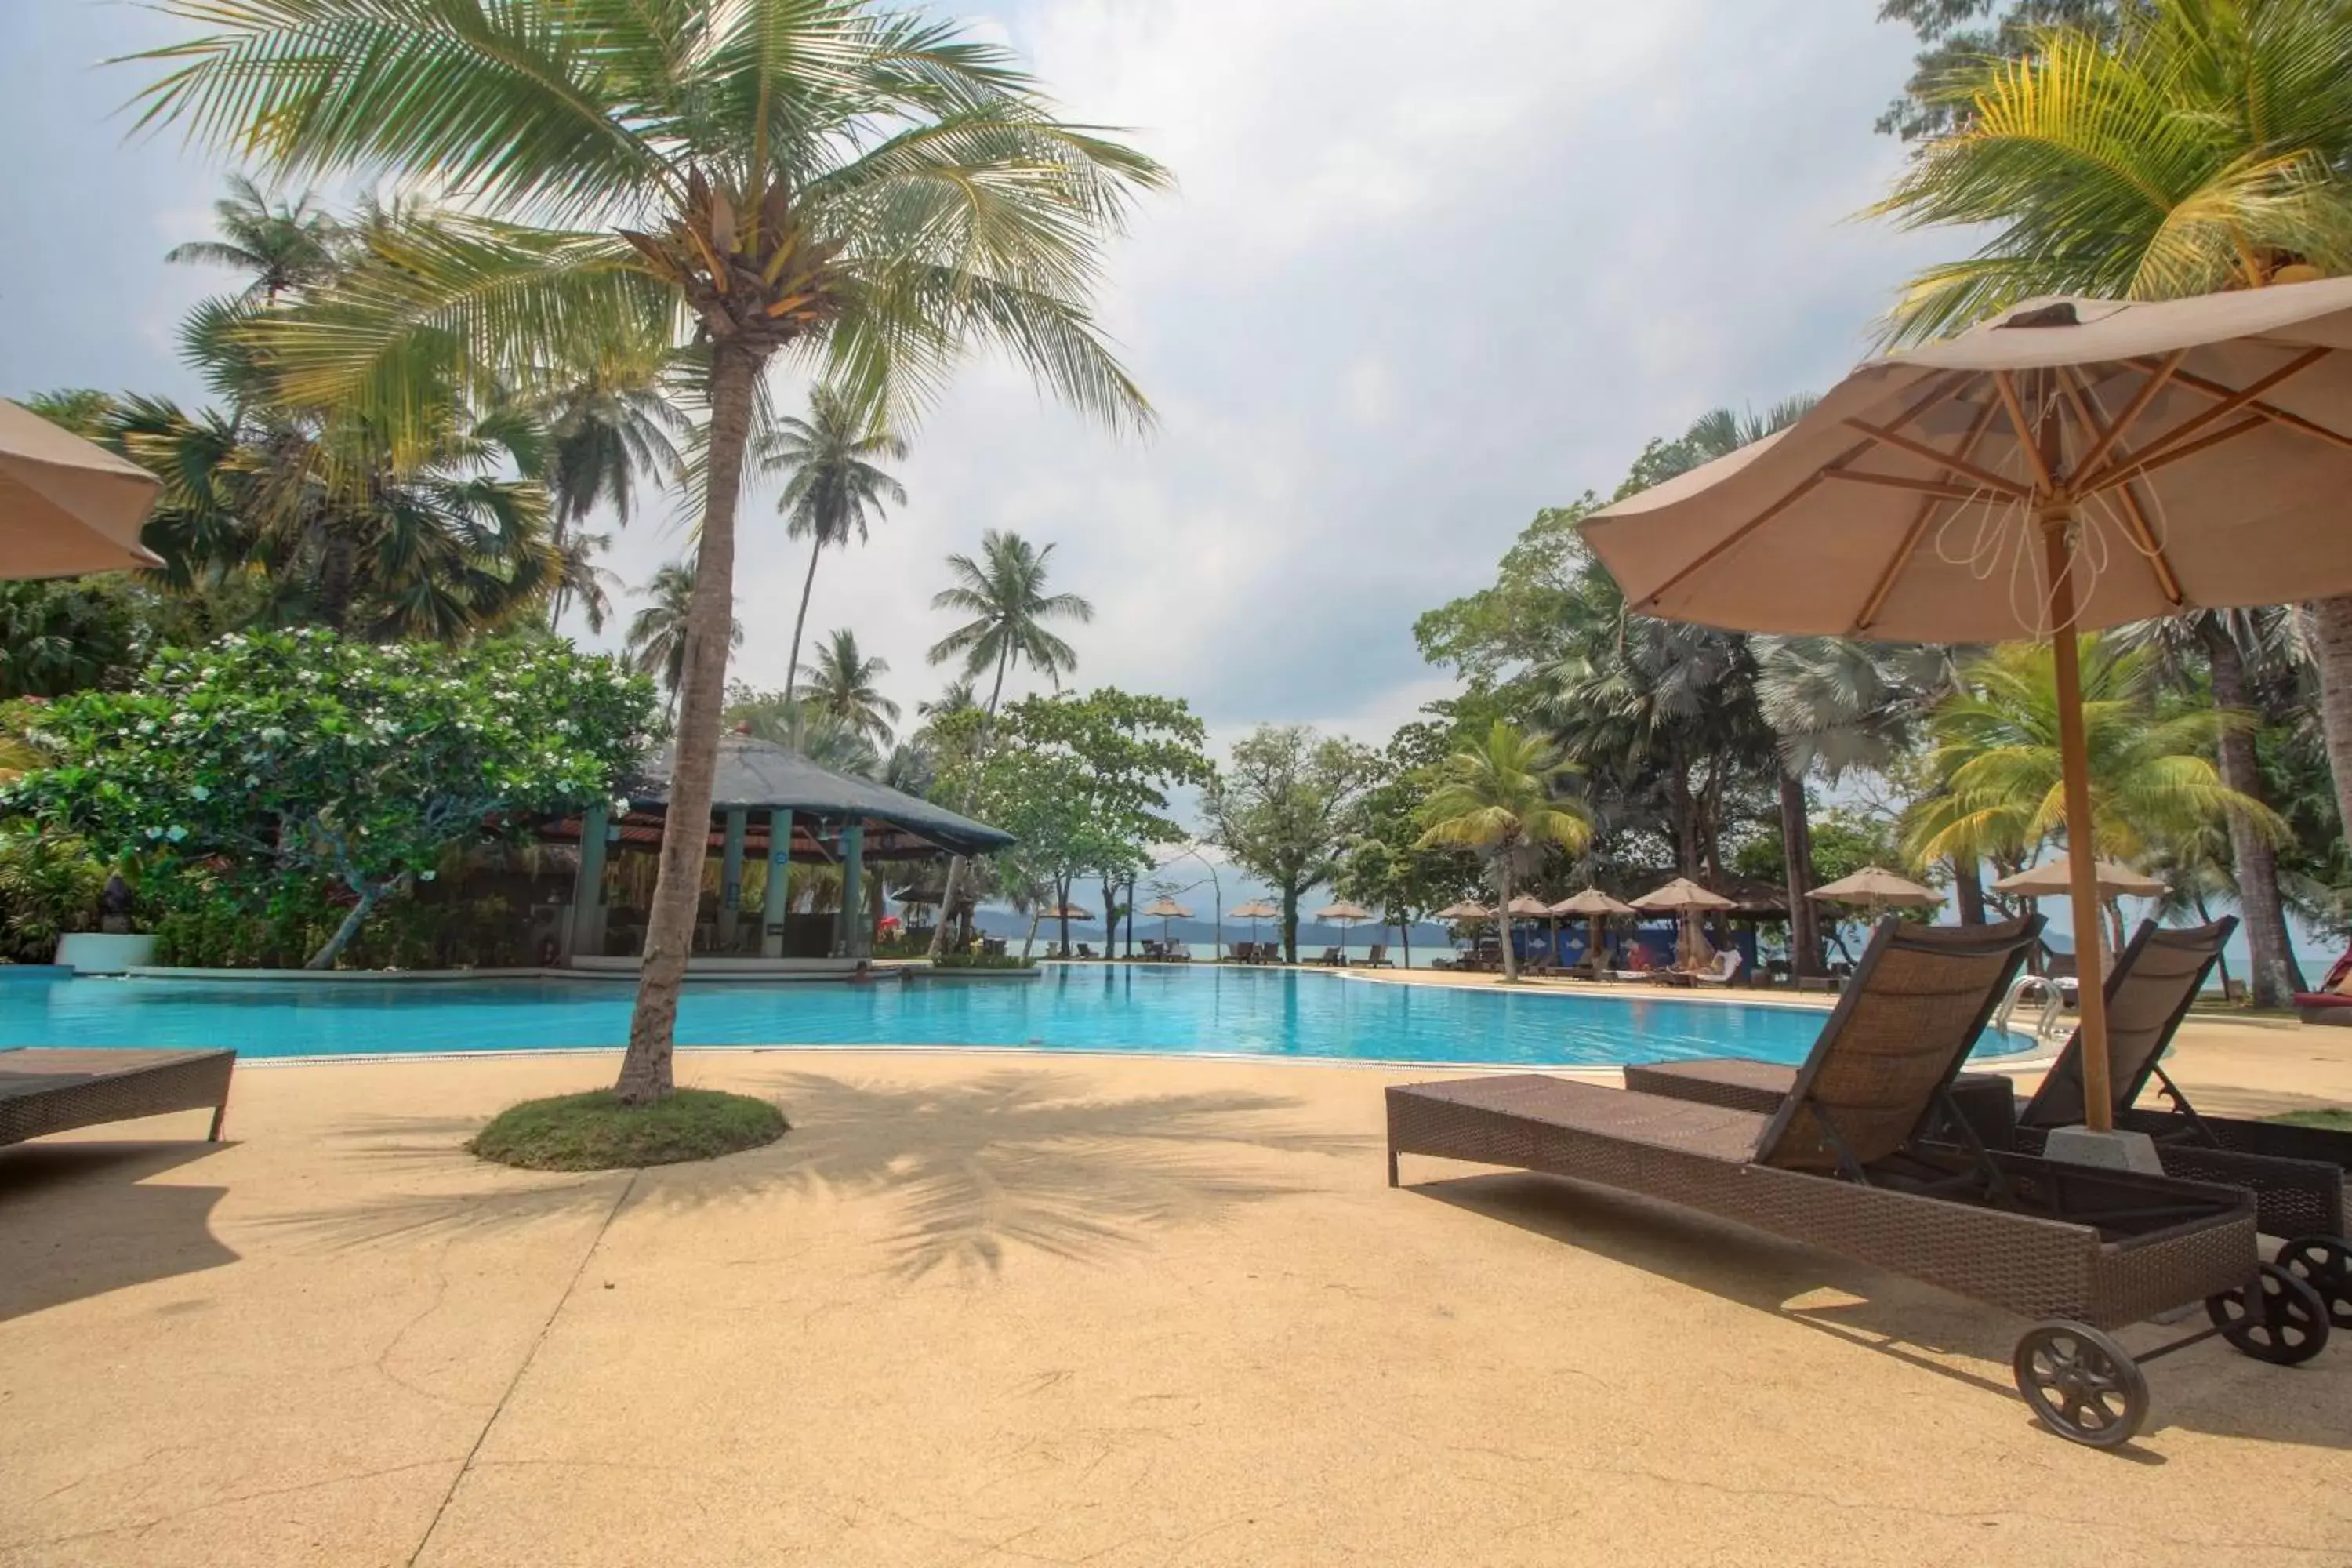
(834, 484)
(1996, 755)
(1497, 798)
(957, 696)
(866, 191)
(1005, 594)
(658, 635)
(2197, 145)
(286, 246)
(841, 686)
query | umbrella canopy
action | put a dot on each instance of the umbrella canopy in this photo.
(1683, 894)
(2074, 463)
(1591, 902)
(1343, 913)
(1467, 909)
(1166, 910)
(1068, 913)
(1874, 885)
(2056, 875)
(1527, 907)
(66, 506)
(1256, 910)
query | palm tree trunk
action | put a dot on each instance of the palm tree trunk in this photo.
(808, 586)
(645, 1075)
(1503, 917)
(2269, 981)
(2332, 632)
(1967, 889)
(1797, 855)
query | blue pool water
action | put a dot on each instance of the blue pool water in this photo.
(1268, 1012)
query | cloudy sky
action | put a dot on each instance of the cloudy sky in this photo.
(1417, 282)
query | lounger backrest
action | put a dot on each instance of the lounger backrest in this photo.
(2154, 980)
(1897, 1036)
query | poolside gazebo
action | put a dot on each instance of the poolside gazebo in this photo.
(769, 802)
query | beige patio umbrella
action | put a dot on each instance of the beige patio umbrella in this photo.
(66, 506)
(2073, 464)
(1343, 914)
(2057, 876)
(1596, 907)
(1256, 909)
(1877, 887)
(1166, 910)
(1467, 909)
(1525, 907)
(1686, 898)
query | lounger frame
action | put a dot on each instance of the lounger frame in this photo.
(44, 1090)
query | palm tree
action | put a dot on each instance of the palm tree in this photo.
(1497, 799)
(658, 635)
(1005, 594)
(1996, 756)
(286, 246)
(957, 695)
(2196, 145)
(829, 456)
(866, 191)
(841, 686)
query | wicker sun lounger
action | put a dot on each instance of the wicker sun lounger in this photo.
(2296, 1174)
(1842, 1164)
(44, 1091)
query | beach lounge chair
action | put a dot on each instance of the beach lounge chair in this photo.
(1086, 951)
(1332, 958)
(2296, 1174)
(1725, 969)
(1842, 1164)
(1378, 957)
(44, 1090)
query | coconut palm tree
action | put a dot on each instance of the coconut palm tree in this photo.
(286, 246)
(957, 695)
(1996, 757)
(833, 485)
(866, 191)
(841, 686)
(1497, 798)
(658, 635)
(1005, 594)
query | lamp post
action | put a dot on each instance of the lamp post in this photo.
(1216, 890)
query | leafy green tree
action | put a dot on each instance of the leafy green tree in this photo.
(1497, 799)
(1957, 37)
(841, 686)
(305, 758)
(834, 484)
(1281, 808)
(659, 634)
(857, 187)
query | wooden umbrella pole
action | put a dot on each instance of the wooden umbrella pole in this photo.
(2082, 842)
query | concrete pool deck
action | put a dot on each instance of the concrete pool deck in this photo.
(1008, 1308)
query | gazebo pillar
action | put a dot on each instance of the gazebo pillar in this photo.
(858, 931)
(585, 939)
(730, 877)
(773, 904)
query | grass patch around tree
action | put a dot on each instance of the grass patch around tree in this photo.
(597, 1133)
(2329, 1121)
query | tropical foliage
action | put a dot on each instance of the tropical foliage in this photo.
(1498, 798)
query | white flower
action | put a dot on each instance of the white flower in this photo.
(425, 875)
(176, 833)
(155, 833)
(198, 792)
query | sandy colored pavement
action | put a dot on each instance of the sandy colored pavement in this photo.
(1010, 1310)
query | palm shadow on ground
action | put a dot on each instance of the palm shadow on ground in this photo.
(1913, 1324)
(974, 1169)
(82, 1218)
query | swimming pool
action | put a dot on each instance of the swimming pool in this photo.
(1143, 1009)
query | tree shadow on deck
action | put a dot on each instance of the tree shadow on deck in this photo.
(80, 1218)
(2207, 1388)
(975, 1168)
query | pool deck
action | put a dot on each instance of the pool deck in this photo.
(1011, 1309)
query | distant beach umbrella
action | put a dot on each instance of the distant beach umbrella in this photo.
(2053, 878)
(1683, 897)
(1068, 913)
(1595, 906)
(1876, 888)
(1256, 909)
(1467, 909)
(1166, 910)
(1343, 914)
(66, 506)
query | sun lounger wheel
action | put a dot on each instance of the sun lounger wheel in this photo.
(2286, 1324)
(2082, 1384)
(2324, 1263)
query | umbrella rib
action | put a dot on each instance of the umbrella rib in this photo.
(2140, 467)
(2162, 372)
(2078, 398)
(1952, 463)
(1928, 509)
(2163, 445)
(1921, 486)
(2270, 411)
(2018, 422)
(1946, 385)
